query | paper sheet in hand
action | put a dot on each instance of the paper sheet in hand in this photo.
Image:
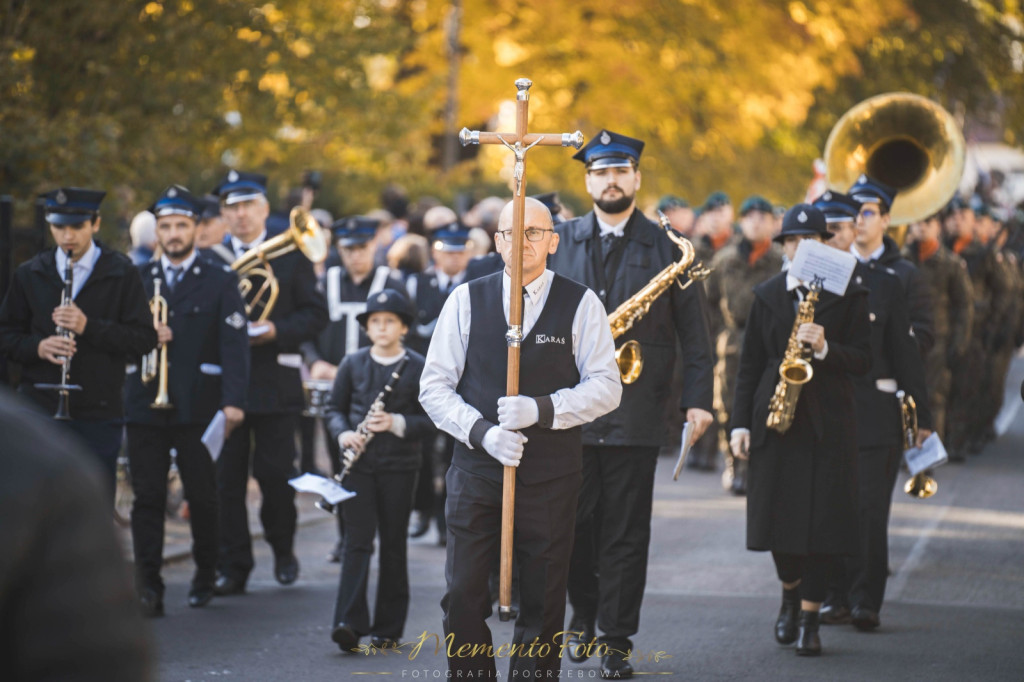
(213, 437)
(930, 455)
(331, 490)
(258, 329)
(831, 266)
(684, 448)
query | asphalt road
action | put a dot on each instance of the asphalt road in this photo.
(954, 608)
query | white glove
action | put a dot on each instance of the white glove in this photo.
(504, 446)
(517, 412)
(739, 441)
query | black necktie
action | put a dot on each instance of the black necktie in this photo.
(173, 275)
(608, 241)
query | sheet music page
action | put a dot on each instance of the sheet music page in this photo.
(815, 260)
(930, 455)
(328, 488)
(684, 448)
(213, 437)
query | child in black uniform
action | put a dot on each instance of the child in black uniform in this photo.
(384, 473)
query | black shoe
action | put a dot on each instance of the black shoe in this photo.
(379, 642)
(578, 646)
(345, 637)
(200, 595)
(151, 603)
(808, 643)
(785, 624)
(864, 619)
(739, 478)
(334, 556)
(226, 585)
(419, 524)
(615, 667)
(834, 614)
(286, 568)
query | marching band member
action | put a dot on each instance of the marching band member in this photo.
(106, 319)
(273, 401)
(802, 484)
(616, 251)
(384, 473)
(567, 378)
(208, 356)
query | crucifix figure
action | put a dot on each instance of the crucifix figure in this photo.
(519, 143)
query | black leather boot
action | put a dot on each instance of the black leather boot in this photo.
(808, 643)
(785, 626)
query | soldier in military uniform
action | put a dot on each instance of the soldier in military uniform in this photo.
(347, 287)
(207, 370)
(736, 270)
(616, 251)
(108, 318)
(945, 275)
(265, 440)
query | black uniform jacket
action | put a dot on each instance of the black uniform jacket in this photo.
(208, 358)
(894, 355)
(358, 383)
(919, 299)
(428, 299)
(275, 383)
(119, 326)
(675, 314)
(802, 485)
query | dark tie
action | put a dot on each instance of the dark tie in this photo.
(608, 241)
(173, 275)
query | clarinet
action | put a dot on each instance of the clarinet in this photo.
(64, 388)
(350, 456)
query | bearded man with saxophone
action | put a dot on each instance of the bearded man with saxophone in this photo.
(616, 251)
(201, 366)
(274, 400)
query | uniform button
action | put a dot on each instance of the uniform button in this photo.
(601, 441)
(602, 293)
(170, 314)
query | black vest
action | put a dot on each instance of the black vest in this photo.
(546, 364)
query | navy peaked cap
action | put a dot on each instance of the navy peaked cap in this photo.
(71, 205)
(177, 200)
(239, 186)
(354, 230)
(610, 150)
(868, 190)
(837, 207)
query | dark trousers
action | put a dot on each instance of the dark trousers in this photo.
(863, 577)
(267, 441)
(544, 515)
(381, 507)
(149, 456)
(618, 488)
(103, 438)
(813, 571)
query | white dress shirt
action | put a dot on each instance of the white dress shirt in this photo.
(875, 255)
(597, 393)
(182, 267)
(240, 247)
(81, 269)
(604, 228)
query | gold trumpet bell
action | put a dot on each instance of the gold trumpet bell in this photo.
(904, 140)
(921, 486)
(630, 359)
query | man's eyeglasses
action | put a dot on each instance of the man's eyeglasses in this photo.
(867, 213)
(533, 234)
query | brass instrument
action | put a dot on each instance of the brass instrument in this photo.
(257, 283)
(795, 370)
(350, 456)
(64, 388)
(629, 356)
(906, 141)
(154, 363)
(920, 485)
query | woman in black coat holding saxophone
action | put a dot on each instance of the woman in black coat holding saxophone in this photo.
(802, 488)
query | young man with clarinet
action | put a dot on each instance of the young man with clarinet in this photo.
(201, 366)
(375, 418)
(70, 318)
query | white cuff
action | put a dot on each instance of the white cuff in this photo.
(397, 425)
(735, 432)
(824, 351)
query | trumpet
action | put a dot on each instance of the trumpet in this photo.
(64, 388)
(154, 363)
(257, 283)
(920, 485)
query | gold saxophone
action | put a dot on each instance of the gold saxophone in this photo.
(795, 370)
(629, 357)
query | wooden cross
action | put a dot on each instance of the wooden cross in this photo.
(518, 143)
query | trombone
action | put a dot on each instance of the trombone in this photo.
(257, 283)
(154, 363)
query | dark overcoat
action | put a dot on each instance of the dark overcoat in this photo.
(802, 485)
(208, 357)
(119, 326)
(677, 316)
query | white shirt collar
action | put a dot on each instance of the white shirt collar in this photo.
(445, 282)
(533, 290)
(605, 228)
(875, 255)
(792, 282)
(184, 265)
(84, 264)
(239, 246)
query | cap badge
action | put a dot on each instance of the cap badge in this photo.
(382, 298)
(862, 179)
(235, 320)
(827, 196)
(606, 138)
(172, 193)
(802, 217)
(61, 198)
(233, 176)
